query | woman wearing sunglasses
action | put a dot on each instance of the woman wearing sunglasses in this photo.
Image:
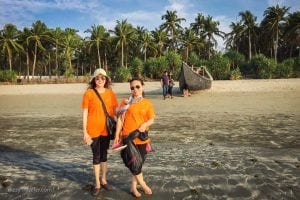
(94, 124)
(135, 113)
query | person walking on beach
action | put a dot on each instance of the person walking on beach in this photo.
(94, 124)
(136, 114)
(165, 83)
(170, 86)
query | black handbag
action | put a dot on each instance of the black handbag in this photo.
(143, 135)
(110, 121)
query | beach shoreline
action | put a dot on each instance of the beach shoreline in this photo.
(251, 85)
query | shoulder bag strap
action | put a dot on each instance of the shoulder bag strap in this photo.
(102, 102)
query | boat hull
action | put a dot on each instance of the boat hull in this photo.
(192, 81)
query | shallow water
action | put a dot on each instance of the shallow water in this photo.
(208, 146)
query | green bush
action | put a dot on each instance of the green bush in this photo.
(7, 76)
(174, 63)
(193, 59)
(296, 67)
(136, 67)
(69, 73)
(122, 74)
(219, 67)
(262, 66)
(236, 58)
(154, 67)
(285, 69)
(235, 74)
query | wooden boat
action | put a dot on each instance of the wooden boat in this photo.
(193, 81)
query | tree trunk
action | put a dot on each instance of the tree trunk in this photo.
(34, 59)
(49, 70)
(105, 60)
(145, 55)
(122, 54)
(276, 45)
(99, 57)
(27, 63)
(249, 41)
(187, 55)
(56, 59)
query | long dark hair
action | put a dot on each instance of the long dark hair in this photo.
(140, 80)
(92, 83)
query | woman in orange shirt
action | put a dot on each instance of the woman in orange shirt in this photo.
(136, 113)
(94, 124)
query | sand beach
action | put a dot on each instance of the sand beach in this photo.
(238, 140)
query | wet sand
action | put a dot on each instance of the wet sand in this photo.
(239, 140)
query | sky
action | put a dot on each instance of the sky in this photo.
(82, 14)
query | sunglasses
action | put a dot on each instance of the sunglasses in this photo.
(103, 78)
(137, 87)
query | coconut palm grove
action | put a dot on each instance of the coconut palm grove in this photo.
(266, 49)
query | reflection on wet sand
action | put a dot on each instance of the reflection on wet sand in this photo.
(201, 152)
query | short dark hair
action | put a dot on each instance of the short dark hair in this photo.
(136, 79)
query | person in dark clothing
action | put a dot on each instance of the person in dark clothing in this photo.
(165, 83)
(170, 86)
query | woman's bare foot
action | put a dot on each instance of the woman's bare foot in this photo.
(135, 193)
(147, 190)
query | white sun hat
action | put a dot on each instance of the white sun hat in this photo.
(98, 72)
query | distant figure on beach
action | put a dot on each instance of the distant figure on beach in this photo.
(136, 114)
(170, 86)
(186, 92)
(94, 124)
(165, 83)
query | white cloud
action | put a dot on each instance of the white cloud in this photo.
(142, 18)
(23, 12)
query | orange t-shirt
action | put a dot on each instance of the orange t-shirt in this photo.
(137, 114)
(96, 124)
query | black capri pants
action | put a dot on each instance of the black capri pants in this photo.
(99, 148)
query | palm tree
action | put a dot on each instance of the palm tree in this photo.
(56, 37)
(233, 38)
(210, 30)
(38, 32)
(248, 22)
(124, 33)
(189, 39)
(292, 31)
(172, 25)
(159, 38)
(274, 17)
(70, 42)
(8, 41)
(23, 40)
(198, 25)
(146, 42)
(98, 35)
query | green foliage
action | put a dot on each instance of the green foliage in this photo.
(296, 67)
(285, 69)
(174, 62)
(219, 67)
(154, 67)
(236, 58)
(136, 67)
(69, 73)
(7, 75)
(193, 59)
(262, 66)
(122, 74)
(235, 74)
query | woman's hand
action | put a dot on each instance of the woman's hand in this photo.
(143, 127)
(116, 140)
(87, 139)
